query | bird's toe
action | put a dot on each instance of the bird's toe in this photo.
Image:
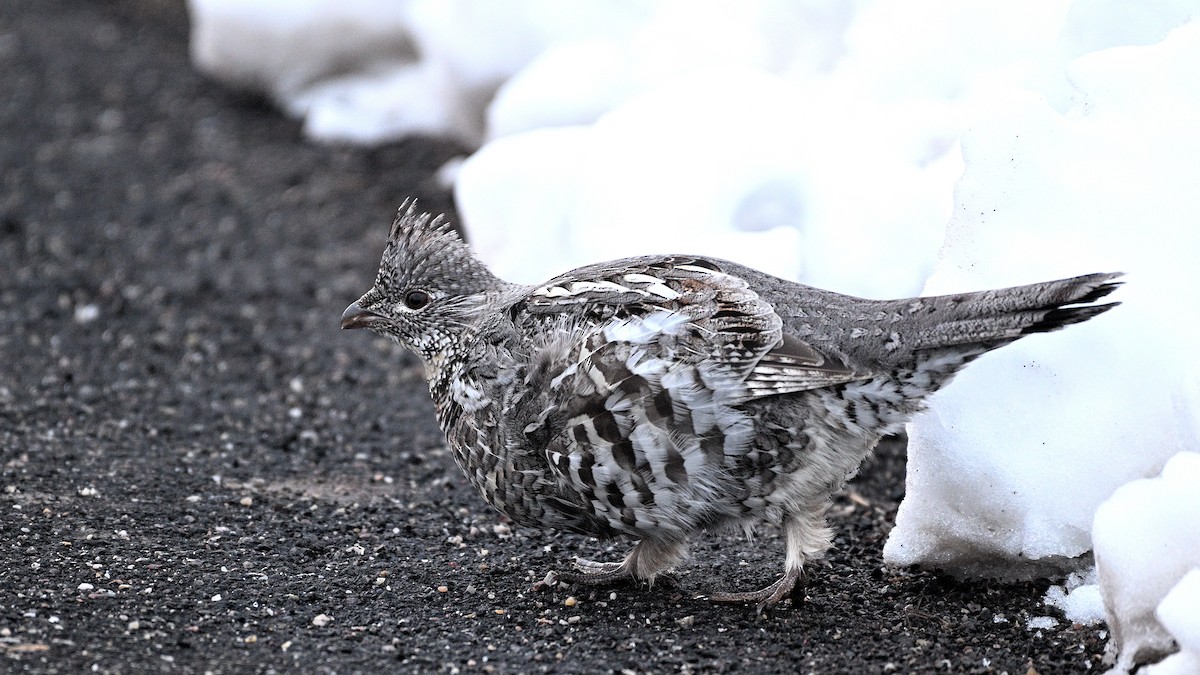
(792, 580)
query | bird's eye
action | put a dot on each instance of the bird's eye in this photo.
(416, 299)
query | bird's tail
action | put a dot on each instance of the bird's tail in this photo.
(934, 337)
(993, 318)
(950, 331)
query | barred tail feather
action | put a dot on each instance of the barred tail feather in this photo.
(994, 318)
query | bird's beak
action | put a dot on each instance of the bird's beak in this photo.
(357, 317)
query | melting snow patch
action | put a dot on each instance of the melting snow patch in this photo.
(1041, 623)
(1079, 599)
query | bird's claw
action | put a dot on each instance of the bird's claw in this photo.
(791, 581)
(592, 573)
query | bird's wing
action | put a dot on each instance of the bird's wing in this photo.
(689, 309)
(639, 379)
(636, 441)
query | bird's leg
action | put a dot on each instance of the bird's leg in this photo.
(646, 561)
(807, 539)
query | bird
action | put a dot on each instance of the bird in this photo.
(663, 396)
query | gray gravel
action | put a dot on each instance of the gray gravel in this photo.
(200, 473)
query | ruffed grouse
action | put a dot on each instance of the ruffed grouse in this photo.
(659, 396)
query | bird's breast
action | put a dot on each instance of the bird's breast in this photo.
(469, 394)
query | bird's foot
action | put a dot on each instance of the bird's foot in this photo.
(587, 573)
(592, 573)
(791, 580)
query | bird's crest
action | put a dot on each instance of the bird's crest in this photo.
(423, 248)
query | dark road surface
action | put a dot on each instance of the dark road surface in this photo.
(200, 473)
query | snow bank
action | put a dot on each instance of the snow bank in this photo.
(577, 82)
(1178, 613)
(1008, 466)
(1147, 538)
(367, 71)
(780, 185)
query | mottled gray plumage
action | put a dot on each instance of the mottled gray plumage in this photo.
(659, 396)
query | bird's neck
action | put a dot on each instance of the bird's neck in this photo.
(442, 371)
(456, 353)
(442, 365)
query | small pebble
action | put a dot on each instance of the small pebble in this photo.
(443, 589)
(573, 619)
(86, 313)
(321, 620)
(570, 602)
(246, 501)
(86, 587)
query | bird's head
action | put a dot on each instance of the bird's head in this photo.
(430, 289)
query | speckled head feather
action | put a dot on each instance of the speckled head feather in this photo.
(429, 289)
(426, 252)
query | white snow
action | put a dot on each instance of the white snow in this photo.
(1178, 613)
(780, 185)
(1147, 538)
(875, 147)
(577, 82)
(1041, 623)
(652, 177)
(1008, 466)
(1079, 598)
(283, 48)
(367, 71)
